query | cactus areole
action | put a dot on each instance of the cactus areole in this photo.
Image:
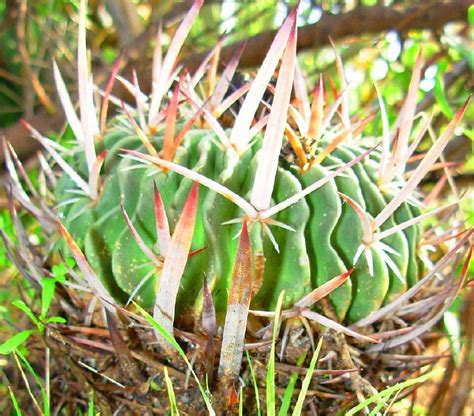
(334, 201)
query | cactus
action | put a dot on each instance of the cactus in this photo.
(322, 234)
(317, 248)
(152, 203)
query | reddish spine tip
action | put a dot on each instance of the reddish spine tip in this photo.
(25, 124)
(159, 208)
(193, 195)
(190, 205)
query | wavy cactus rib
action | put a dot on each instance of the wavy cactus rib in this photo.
(331, 210)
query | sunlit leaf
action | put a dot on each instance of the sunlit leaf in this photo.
(15, 342)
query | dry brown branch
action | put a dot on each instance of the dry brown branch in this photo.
(362, 20)
(126, 20)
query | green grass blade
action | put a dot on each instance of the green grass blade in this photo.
(241, 401)
(389, 391)
(286, 402)
(307, 379)
(39, 381)
(26, 381)
(180, 351)
(90, 409)
(270, 385)
(383, 402)
(254, 382)
(15, 402)
(172, 398)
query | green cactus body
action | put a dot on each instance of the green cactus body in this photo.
(405, 212)
(368, 291)
(326, 237)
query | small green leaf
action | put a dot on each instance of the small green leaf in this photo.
(71, 262)
(470, 15)
(410, 53)
(25, 308)
(439, 93)
(154, 386)
(47, 294)
(14, 342)
(59, 272)
(56, 320)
